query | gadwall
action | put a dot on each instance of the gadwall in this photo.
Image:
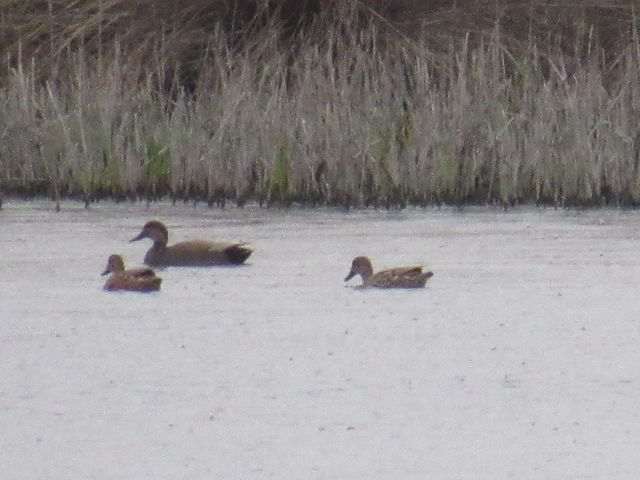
(189, 253)
(401, 277)
(135, 279)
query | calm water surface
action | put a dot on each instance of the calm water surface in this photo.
(519, 360)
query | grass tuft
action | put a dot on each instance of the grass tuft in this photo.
(368, 103)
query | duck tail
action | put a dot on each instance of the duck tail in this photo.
(237, 254)
(151, 284)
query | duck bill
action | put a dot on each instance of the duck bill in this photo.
(350, 276)
(140, 236)
(106, 272)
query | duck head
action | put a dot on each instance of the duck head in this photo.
(154, 230)
(115, 264)
(360, 266)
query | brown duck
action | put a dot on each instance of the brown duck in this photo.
(135, 279)
(190, 253)
(401, 277)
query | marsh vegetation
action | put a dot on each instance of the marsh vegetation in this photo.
(368, 103)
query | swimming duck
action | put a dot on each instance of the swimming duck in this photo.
(136, 279)
(189, 253)
(401, 277)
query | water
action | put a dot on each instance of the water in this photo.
(519, 359)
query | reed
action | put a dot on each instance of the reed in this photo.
(344, 107)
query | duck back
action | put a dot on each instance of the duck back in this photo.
(401, 277)
(197, 253)
(135, 280)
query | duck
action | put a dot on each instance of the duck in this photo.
(188, 253)
(136, 280)
(400, 277)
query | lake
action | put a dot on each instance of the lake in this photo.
(519, 360)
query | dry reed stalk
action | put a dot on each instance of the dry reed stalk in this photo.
(354, 113)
